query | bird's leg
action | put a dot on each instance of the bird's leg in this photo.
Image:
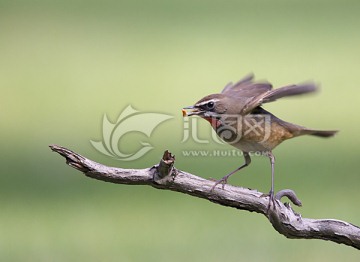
(223, 180)
(271, 193)
(272, 162)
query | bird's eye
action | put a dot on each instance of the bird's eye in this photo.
(211, 105)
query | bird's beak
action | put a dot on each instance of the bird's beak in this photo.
(190, 111)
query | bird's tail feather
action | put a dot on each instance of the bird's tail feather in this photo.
(319, 133)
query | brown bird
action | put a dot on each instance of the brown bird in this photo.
(238, 118)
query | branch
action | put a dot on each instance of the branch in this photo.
(165, 176)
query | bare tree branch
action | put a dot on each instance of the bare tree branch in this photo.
(165, 176)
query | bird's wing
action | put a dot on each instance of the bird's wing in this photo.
(275, 94)
(246, 88)
(253, 94)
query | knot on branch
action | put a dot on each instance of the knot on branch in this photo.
(165, 172)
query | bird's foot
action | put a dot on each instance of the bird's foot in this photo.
(222, 181)
(272, 200)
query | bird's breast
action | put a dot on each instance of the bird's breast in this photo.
(251, 132)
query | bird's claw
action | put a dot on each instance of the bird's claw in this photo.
(222, 181)
(272, 199)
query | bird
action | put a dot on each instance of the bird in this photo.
(238, 117)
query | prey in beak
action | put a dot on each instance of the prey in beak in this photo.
(191, 111)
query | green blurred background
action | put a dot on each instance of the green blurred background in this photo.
(64, 64)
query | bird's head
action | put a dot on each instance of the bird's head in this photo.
(211, 106)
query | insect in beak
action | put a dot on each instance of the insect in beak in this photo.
(192, 111)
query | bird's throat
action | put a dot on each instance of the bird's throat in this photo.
(215, 123)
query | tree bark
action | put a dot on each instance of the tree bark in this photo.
(165, 176)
